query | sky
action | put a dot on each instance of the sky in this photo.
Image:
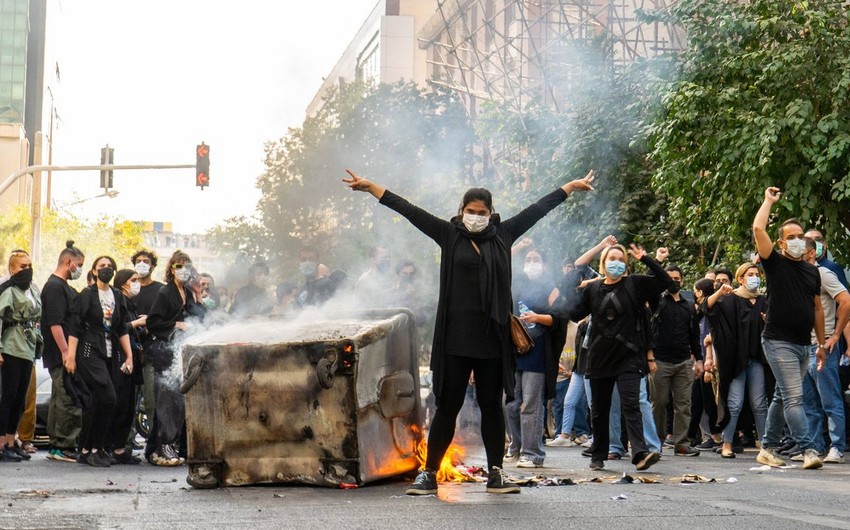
(154, 79)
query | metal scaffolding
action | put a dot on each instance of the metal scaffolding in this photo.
(510, 52)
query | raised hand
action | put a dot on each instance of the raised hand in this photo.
(636, 252)
(585, 184)
(609, 241)
(661, 254)
(772, 194)
(356, 183)
(725, 289)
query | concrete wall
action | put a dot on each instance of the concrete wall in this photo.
(14, 149)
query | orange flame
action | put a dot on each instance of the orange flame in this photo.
(448, 471)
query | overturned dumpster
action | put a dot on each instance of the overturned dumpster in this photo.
(332, 403)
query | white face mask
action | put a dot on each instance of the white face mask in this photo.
(76, 273)
(795, 247)
(475, 223)
(142, 269)
(183, 274)
(135, 287)
(533, 270)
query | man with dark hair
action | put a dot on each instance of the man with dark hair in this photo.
(64, 419)
(793, 288)
(722, 277)
(144, 262)
(254, 298)
(317, 288)
(678, 358)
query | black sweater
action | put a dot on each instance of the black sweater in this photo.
(448, 235)
(168, 310)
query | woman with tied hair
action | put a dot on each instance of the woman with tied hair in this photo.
(174, 306)
(20, 312)
(736, 324)
(471, 332)
(97, 341)
(617, 351)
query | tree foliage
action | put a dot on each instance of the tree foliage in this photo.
(759, 98)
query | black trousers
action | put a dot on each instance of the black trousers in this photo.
(702, 400)
(15, 377)
(601, 389)
(489, 390)
(125, 404)
(98, 417)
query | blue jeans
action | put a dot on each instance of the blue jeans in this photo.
(751, 379)
(653, 443)
(789, 363)
(558, 404)
(822, 394)
(524, 416)
(575, 407)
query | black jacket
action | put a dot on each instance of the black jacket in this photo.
(447, 235)
(168, 310)
(87, 322)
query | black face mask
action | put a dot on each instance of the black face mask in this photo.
(673, 289)
(105, 274)
(22, 279)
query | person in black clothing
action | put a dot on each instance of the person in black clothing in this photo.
(254, 298)
(63, 418)
(617, 353)
(128, 284)
(471, 330)
(98, 340)
(169, 318)
(144, 263)
(678, 358)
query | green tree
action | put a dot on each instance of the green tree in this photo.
(758, 98)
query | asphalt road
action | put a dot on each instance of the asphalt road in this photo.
(47, 494)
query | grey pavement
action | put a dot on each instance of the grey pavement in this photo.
(47, 494)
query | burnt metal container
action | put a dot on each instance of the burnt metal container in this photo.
(332, 403)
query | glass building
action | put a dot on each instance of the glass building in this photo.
(14, 30)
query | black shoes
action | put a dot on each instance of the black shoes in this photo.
(127, 458)
(498, 482)
(596, 465)
(8, 455)
(424, 484)
(18, 450)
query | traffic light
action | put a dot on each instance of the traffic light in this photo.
(106, 174)
(202, 165)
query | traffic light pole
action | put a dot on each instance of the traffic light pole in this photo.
(36, 222)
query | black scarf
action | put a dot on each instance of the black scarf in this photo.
(21, 279)
(494, 276)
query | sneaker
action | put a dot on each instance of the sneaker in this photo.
(708, 444)
(18, 450)
(83, 458)
(587, 453)
(727, 454)
(811, 459)
(561, 441)
(588, 442)
(510, 458)
(127, 458)
(98, 459)
(425, 483)
(767, 456)
(669, 443)
(63, 455)
(834, 456)
(580, 439)
(528, 463)
(686, 450)
(792, 450)
(596, 465)
(498, 482)
(649, 458)
(165, 456)
(615, 456)
(7, 455)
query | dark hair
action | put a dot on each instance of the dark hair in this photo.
(792, 221)
(309, 249)
(811, 244)
(476, 194)
(727, 272)
(70, 251)
(150, 254)
(568, 261)
(259, 266)
(675, 268)
(405, 263)
(122, 277)
(111, 261)
(539, 252)
(706, 286)
(180, 256)
(90, 277)
(283, 289)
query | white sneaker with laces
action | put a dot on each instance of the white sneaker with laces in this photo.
(527, 463)
(834, 456)
(560, 441)
(588, 443)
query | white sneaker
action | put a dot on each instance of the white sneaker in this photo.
(811, 459)
(767, 456)
(560, 441)
(588, 443)
(580, 439)
(834, 456)
(526, 462)
(510, 458)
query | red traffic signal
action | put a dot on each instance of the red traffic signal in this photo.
(202, 165)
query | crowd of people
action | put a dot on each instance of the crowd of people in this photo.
(624, 363)
(115, 343)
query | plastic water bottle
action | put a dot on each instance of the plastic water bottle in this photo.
(845, 361)
(523, 310)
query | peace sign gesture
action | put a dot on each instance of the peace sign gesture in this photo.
(356, 183)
